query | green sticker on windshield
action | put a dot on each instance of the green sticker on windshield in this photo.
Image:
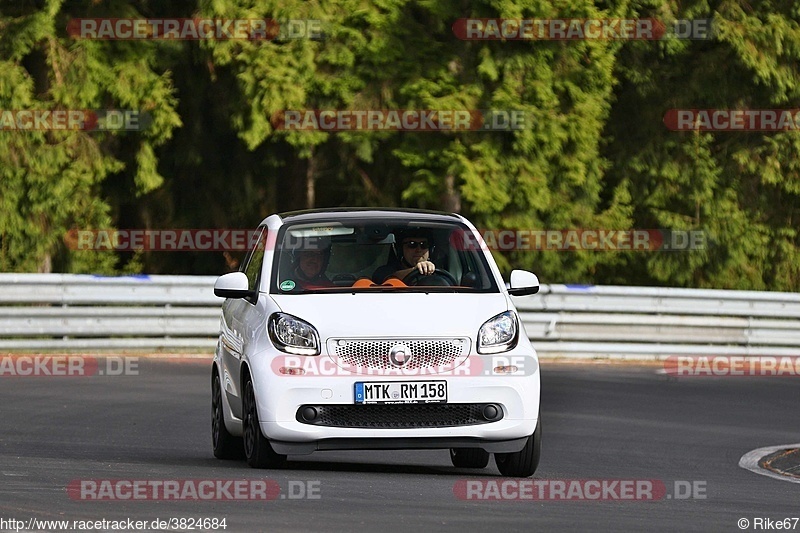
(287, 285)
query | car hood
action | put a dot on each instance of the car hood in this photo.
(383, 315)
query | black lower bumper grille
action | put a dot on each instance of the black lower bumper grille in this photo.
(398, 416)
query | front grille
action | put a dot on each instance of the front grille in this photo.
(426, 354)
(398, 416)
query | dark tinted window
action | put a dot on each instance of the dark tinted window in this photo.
(337, 256)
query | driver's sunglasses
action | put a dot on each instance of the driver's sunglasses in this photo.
(416, 244)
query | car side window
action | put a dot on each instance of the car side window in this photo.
(255, 259)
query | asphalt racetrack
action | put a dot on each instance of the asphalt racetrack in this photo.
(605, 427)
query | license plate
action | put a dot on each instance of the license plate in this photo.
(401, 392)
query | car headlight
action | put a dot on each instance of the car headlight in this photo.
(292, 335)
(498, 334)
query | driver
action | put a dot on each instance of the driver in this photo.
(414, 253)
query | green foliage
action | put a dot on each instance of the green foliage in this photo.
(51, 181)
(594, 152)
(740, 188)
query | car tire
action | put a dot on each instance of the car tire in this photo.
(257, 450)
(524, 462)
(469, 457)
(225, 445)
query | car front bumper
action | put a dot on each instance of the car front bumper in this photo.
(280, 398)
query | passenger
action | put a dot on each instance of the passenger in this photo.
(310, 263)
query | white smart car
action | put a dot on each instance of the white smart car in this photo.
(374, 329)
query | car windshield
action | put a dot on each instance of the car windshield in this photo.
(329, 256)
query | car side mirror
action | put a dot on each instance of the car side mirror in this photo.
(523, 283)
(233, 285)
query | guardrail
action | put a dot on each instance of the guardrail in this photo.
(83, 312)
(648, 322)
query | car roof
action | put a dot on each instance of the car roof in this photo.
(347, 213)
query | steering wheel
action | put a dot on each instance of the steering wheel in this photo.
(414, 277)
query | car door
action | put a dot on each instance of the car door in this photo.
(237, 323)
